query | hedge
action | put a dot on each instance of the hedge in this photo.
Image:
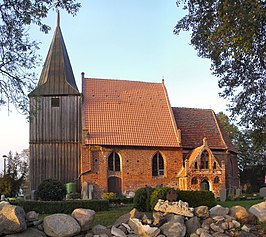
(67, 207)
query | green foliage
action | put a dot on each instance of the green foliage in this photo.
(51, 190)
(158, 193)
(141, 200)
(108, 195)
(18, 51)
(16, 171)
(232, 34)
(197, 198)
(67, 207)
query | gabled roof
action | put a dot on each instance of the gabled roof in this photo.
(195, 124)
(57, 77)
(119, 112)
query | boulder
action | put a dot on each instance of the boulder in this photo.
(3, 203)
(30, 232)
(142, 230)
(192, 224)
(122, 219)
(100, 229)
(179, 208)
(240, 213)
(60, 225)
(202, 212)
(12, 219)
(259, 210)
(218, 210)
(84, 217)
(175, 227)
(32, 216)
(117, 232)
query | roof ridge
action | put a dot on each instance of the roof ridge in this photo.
(219, 130)
(176, 130)
(111, 79)
(191, 108)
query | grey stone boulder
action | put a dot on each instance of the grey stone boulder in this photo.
(122, 219)
(202, 212)
(12, 220)
(259, 210)
(60, 225)
(175, 227)
(84, 217)
(240, 213)
(218, 210)
(100, 229)
(117, 232)
(192, 224)
(30, 232)
(32, 216)
(142, 230)
(3, 203)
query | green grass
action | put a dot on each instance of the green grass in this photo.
(244, 203)
(107, 218)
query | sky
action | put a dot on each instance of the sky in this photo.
(129, 40)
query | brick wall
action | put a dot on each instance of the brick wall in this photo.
(136, 167)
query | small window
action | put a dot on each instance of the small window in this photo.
(194, 180)
(214, 166)
(157, 165)
(114, 162)
(55, 102)
(196, 165)
(216, 180)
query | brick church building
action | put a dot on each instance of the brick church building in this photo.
(120, 135)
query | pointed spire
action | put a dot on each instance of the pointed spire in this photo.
(58, 18)
(57, 77)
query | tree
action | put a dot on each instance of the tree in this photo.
(243, 140)
(17, 169)
(18, 53)
(232, 34)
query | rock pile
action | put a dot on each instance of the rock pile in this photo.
(170, 219)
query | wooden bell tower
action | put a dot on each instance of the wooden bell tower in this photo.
(55, 118)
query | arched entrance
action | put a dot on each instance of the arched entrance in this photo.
(204, 185)
(114, 185)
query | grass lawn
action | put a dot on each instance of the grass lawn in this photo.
(244, 203)
(107, 218)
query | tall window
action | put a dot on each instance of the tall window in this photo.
(157, 165)
(204, 161)
(114, 162)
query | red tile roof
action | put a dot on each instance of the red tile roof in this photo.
(195, 124)
(119, 112)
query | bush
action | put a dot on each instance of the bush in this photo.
(108, 195)
(141, 199)
(51, 190)
(158, 193)
(67, 207)
(197, 198)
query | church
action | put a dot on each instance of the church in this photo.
(120, 135)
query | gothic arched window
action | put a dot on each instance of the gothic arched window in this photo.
(113, 162)
(194, 180)
(216, 180)
(157, 165)
(204, 160)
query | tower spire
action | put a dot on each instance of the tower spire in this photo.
(58, 17)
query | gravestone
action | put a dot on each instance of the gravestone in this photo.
(90, 191)
(33, 195)
(171, 195)
(223, 195)
(84, 191)
(263, 192)
(238, 192)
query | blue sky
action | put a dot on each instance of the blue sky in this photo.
(130, 40)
